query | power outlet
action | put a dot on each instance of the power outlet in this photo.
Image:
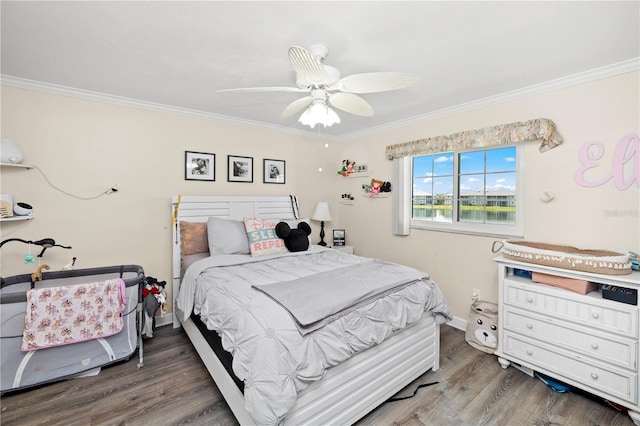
(475, 294)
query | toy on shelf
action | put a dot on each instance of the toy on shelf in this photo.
(350, 168)
(376, 187)
(347, 198)
(347, 168)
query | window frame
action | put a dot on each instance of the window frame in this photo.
(474, 228)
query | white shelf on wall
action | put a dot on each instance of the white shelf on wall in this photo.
(21, 166)
(379, 195)
(359, 174)
(347, 202)
(15, 218)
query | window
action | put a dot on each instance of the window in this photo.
(469, 191)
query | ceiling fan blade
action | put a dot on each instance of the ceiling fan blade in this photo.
(307, 65)
(265, 89)
(377, 82)
(296, 106)
(351, 103)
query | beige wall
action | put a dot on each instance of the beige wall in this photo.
(605, 110)
(85, 147)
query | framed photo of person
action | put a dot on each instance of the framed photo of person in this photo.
(274, 171)
(338, 237)
(199, 166)
(239, 169)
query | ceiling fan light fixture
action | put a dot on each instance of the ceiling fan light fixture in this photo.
(319, 113)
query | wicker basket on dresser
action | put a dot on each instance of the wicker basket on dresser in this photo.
(584, 340)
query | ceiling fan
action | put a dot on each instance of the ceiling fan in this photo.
(325, 87)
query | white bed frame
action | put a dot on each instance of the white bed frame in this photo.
(348, 391)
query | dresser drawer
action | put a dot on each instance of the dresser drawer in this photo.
(599, 379)
(584, 310)
(616, 350)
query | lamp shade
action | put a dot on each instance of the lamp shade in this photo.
(9, 153)
(322, 212)
(319, 113)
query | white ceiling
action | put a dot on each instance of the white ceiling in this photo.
(179, 53)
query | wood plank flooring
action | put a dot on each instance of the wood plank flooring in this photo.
(174, 388)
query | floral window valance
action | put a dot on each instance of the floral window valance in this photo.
(502, 134)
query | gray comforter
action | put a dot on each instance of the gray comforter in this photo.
(273, 358)
(316, 300)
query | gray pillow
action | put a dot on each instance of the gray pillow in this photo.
(227, 236)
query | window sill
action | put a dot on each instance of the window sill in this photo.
(493, 233)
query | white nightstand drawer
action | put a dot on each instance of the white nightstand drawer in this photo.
(599, 379)
(618, 351)
(344, 249)
(583, 310)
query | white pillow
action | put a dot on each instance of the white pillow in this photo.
(227, 236)
(262, 237)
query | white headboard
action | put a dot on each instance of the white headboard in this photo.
(198, 208)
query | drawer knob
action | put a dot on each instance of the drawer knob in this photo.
(529, 299)
(594, 345)
(594, 376)
(529, 352)
(595, 315)
(529, 326)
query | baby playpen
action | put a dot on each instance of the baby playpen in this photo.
(23, 367)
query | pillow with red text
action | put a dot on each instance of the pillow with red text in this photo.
(262, 237)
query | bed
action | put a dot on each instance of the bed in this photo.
(288, 364)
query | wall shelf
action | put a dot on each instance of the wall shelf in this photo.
(21, 166)
(379, 195)
(359, 174)
(15, 218)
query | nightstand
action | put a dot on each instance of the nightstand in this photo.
(345, 249)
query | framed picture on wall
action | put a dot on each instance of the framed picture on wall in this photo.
(274, 171)
(199, 166)
(239, 169)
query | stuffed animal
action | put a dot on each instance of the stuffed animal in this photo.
(37, 275)
(482, 327)
(347, 168)
(294, 239)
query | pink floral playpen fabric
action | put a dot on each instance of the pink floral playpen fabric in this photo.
(68, 314)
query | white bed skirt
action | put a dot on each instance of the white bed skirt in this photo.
(350, 390)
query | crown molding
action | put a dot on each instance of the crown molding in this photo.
(23, 83)
(612, 70)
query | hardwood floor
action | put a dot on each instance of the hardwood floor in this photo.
(174, 388)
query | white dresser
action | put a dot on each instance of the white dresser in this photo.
(583, 340)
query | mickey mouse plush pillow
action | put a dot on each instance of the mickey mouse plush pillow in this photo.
(296, 239)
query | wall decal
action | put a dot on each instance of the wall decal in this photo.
(625, 167)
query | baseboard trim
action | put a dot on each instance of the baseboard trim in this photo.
(459, 323)
(166, 319)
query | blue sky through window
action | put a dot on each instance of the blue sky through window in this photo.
(433, 174)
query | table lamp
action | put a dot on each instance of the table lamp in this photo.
(322, 214)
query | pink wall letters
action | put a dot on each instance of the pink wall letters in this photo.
(625, 167)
